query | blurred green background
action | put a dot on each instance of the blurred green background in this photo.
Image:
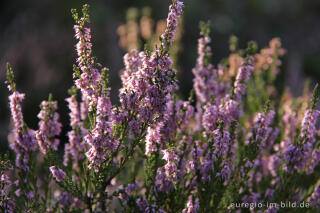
(36, 37)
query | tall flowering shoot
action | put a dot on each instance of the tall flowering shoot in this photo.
(91, 80)
(24, 138)
(49, 126)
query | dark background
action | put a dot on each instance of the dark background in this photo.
(36, 37)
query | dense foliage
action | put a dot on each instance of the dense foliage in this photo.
(236, 144)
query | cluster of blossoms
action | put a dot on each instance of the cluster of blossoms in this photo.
(148, 78)
(303, 156)
(49, 126)
(76, 146)
(100, 139)
(192, 206)
(88, 76)
(24, 138)
(176, 117)
(7, 203)
(58, 174)
(154, 152)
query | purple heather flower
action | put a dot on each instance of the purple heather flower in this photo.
(290, 121)
(273, 164)
(203, 49)
(171, 166)
(132, 187)
(169, 155)
(192, 206)
(162, 182)
(175, 11)
(143, 204)
(204, 83)
(314, 161)
(152, 138)
(206, 167)
(308, 126)
(230, 110)
(225, 172)
(175, 118)
(141, 93)
(196, 153)
(84, 45)
(89, 82)
(6, 183)
(272, 138)
(134, 127)
(104, 106)
(210, 117)
(304, 157)
(222, 142)
(251, 198)
(269, 194)
(262, 128)
(315, 198)
(30, 195)
(58, 174)
(18, 192)
(84, 108)
(66, 199)
(198, 162)
(6, 203)
(294, 156)
(75, 146)
(164, 64)
(24, 138)
(74, 111)
(132, 62)
(242, 77)
(145, 207)
(49, 126)
(148, 79)
(181, 168)
(227, 111)
(101, 139)
(15, 106)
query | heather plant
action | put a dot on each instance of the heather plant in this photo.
(235, 143)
